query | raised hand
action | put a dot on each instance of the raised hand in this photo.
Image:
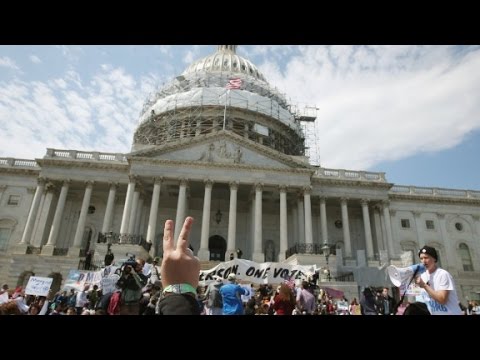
(179, 265)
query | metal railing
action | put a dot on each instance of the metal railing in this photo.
(315, 249)
(126, 239)
(83, 264)
(34, 250)
(348, 277)
(60, 252)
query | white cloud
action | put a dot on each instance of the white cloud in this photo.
(71, 113)
(191, 55)
(72, 53)
(166, 50)
(376, 103)
(35, 59)
(5, 61)
(381, 103)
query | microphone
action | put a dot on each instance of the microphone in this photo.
(418, 268)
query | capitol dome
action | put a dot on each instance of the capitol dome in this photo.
(198, 102)
(225, 59)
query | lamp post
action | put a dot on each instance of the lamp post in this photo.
(109, 236)
(218, 216)
(326, 253)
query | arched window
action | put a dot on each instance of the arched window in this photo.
(24, 277)
(56, 283)
(464, 253)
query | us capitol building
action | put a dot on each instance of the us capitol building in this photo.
(235, 161)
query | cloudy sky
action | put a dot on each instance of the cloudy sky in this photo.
(410, 111)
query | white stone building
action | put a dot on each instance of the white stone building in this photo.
(235, 161)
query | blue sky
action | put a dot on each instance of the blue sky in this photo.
(410, 111)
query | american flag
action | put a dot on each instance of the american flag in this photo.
(234, 84)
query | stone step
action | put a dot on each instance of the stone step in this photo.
(207, 265)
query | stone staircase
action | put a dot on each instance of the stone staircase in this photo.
(120, 252)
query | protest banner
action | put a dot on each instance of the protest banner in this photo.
(257, 273)
(38, 286)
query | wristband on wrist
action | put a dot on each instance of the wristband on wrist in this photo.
(180, 289)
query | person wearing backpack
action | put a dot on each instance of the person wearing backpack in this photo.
(214, 298)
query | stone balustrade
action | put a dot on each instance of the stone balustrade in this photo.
(435, 192)
(85, 155)
(18, 162)
(351, 175)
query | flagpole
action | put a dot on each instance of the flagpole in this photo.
(225, 110)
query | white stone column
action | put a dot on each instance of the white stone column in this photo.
(128, 205)
(77, 241)
(39, 214)
(204, 253)
(476, 227)
(295, 235)
(323, 220)
(232, 221)
(283, 223)
(138, 217)
(368, 230)
(388, 228)
(346, 228)
(57, 219)
(378, 229)
(2, 191)
(32, 215)
(450, 251)
(152, 219)
(107, 220)
(394, 226)
(258, 255)
(301, 219)
(308, 215)
(40, 231)
(134, 210)
(417, 220)
(181, 206)
(252, 222)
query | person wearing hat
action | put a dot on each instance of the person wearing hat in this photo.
(438, 287)
(213, 297)
(231, 296)
(155, 278)
(4, 294)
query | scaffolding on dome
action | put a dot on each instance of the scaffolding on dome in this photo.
(307, 117)
(197, 104)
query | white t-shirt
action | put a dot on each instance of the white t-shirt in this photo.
(4, 297)
(441, 280)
